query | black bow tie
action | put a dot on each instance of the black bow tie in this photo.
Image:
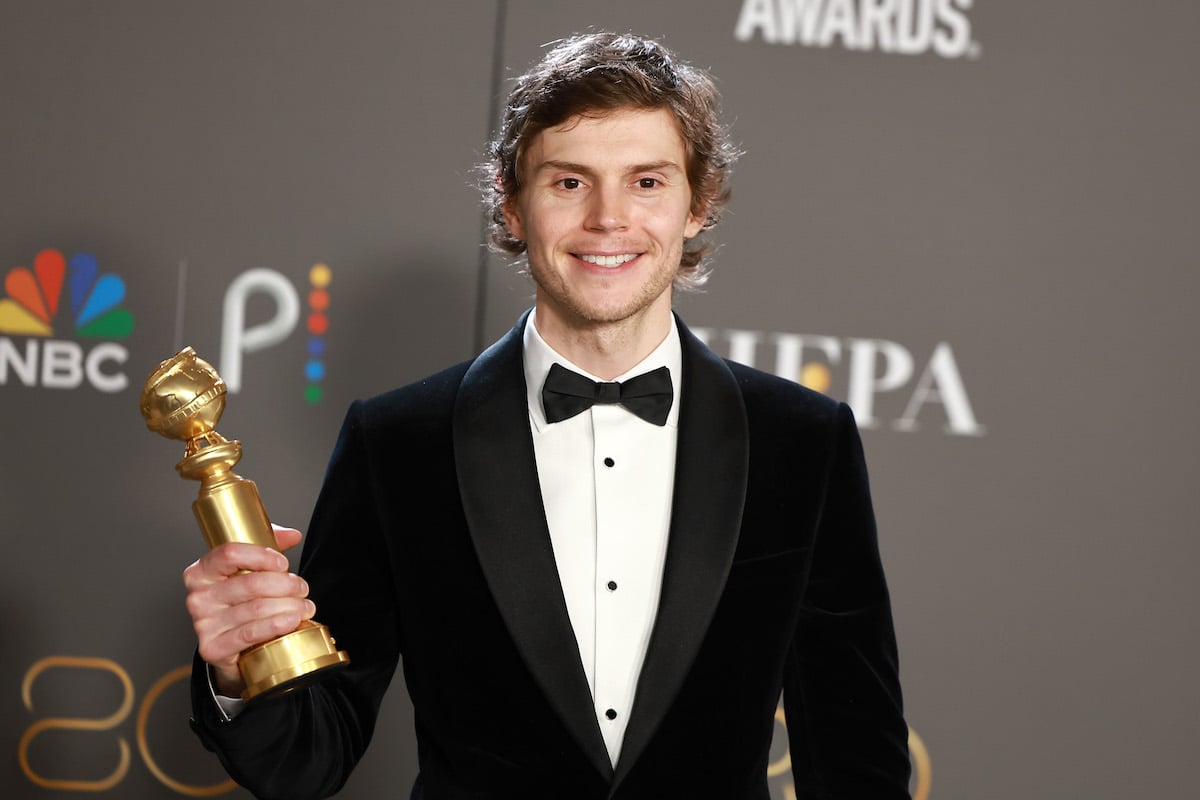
(568, 393)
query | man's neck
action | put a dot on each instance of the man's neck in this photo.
(606, 349)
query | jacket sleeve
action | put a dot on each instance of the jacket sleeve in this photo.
(842, 701)
(305, 744)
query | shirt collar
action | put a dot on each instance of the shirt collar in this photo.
(539, 357)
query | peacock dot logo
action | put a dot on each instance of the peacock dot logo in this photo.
(36, 296)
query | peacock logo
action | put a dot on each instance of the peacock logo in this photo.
(35, 296)
(36, 301)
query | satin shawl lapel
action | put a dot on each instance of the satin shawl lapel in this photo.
(498, 482)
(711, 464)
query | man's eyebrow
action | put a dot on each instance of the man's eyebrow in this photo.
(657, 166)
(569, 166)
(562, 166)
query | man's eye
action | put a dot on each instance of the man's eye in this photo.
(647, 183)
(570, 183)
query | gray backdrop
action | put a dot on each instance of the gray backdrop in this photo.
(974, 221)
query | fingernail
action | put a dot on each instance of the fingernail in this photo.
(310, 608)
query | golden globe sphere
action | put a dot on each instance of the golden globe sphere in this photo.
(183, 397)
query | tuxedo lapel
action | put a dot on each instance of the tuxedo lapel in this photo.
(498, 482)
(712, 460)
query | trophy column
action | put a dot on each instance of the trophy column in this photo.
(183, 399)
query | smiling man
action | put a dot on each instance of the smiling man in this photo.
(601, 551)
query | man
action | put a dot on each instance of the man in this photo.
(601, 551)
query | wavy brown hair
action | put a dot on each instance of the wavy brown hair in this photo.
(596, 73)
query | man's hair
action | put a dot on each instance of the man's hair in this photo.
(597, 73)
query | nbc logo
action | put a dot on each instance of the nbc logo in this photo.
(35, 298)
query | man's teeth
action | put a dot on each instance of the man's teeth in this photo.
(609, 261)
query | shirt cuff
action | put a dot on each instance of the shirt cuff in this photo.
(229, 707)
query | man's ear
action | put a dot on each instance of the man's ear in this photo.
(512, 219)
(695, 223)
(512, 216)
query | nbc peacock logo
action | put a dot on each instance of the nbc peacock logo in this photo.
(37, 302)
(34, 297)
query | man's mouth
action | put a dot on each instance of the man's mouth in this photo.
(607, 261)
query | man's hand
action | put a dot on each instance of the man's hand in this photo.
(232, 611)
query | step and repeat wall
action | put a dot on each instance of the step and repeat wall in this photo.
(973, 221)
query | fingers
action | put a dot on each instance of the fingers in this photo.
(242, 589)
(244, 610)
(234, 557)
(226, 633)
(285, 538)
(240, 595)
(231, 558)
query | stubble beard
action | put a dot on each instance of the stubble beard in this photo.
(570, 306)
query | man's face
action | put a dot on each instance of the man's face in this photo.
(604, 209)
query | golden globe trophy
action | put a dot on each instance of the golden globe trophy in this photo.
(183, 399)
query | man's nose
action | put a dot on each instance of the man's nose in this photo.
(608, 209)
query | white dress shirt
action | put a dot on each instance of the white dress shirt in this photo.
(606, 479)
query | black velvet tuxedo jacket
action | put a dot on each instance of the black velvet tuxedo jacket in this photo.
(429, 543)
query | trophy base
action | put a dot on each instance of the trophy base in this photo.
(289, 662)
